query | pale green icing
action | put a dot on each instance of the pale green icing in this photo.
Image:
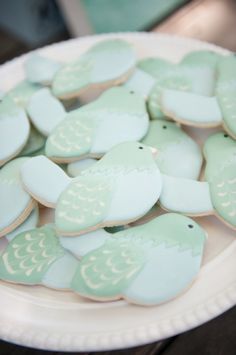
(220, 154)
(83, 204)
(45, 111)
(22, 92)
(39, 69)
(113, 268)
(75, 168)
(105, 61)
(178, 154)
(226, 92)
(201, 58)
(77, 134)
(14, 129)
(30, 255)
(13, 198)
(61, 272)
(191, 108)
(34, 144)
(156, 67)
(30, 223)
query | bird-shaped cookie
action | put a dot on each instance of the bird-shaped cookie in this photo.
(119, 188)
(220, 154)
(104, 64)
(15, 203)
(117, 116)
(36, 257)
(197, 110)
(148, 265)
(216, 195)
(179, 155)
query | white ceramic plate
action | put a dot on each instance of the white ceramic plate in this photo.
(47, 319)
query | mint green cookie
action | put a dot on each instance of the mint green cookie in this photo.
(220, 154)
(35, 143)
(156, 67)
(226, 92)
(106, 62)
(115, 117)
(147, 265)
(22, 92)
(36, 257)
(178, 154)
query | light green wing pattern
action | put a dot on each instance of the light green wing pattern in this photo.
(223, 193)
(30, 254)
(107, 271)
(72, 137)
(83, 204)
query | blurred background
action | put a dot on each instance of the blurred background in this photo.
(29, 24)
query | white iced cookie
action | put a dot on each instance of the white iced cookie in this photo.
(191, 109)
(30, 223)
(45, 111)
(14, 130)
(117, 116)
(75, 168)
(104, 64)
(40, 70)
(119, 188)
(15, 203)
(179, 155)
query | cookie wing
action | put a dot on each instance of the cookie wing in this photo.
(28, 257)
(83, 204)
(71, 138)
(223, 194)
(226, 94)
(107, 271)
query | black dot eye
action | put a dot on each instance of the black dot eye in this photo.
(226, 135)
(164, 127)
(131, 92)
(190, 226)
(140, 147)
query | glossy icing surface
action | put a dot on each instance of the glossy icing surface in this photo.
(132, 255)
(39, 69)
(178, 154)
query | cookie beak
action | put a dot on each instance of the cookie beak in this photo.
(154, 151)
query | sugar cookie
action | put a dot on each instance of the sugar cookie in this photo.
(40, 70)
(45, 111)
(116, 116)
(36, 257)
(106, 63)
(22, 92)
(226, 93)
(178, 154)
(191, 109)
(155, 67)
(220, 155)
(35, 143)
(119, 188)
(140, 82)
(15, 203)
(75, 168)
(14, 130)
(146, 265)
(30, 223)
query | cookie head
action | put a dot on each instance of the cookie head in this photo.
(217, 145)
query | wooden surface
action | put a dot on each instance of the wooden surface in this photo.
(213, 21)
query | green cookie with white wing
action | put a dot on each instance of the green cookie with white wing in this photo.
(147, 265)
(35, 257)
(179, 155)
(106, 63)
(116, 116)
(220, 155)
(226, 92)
